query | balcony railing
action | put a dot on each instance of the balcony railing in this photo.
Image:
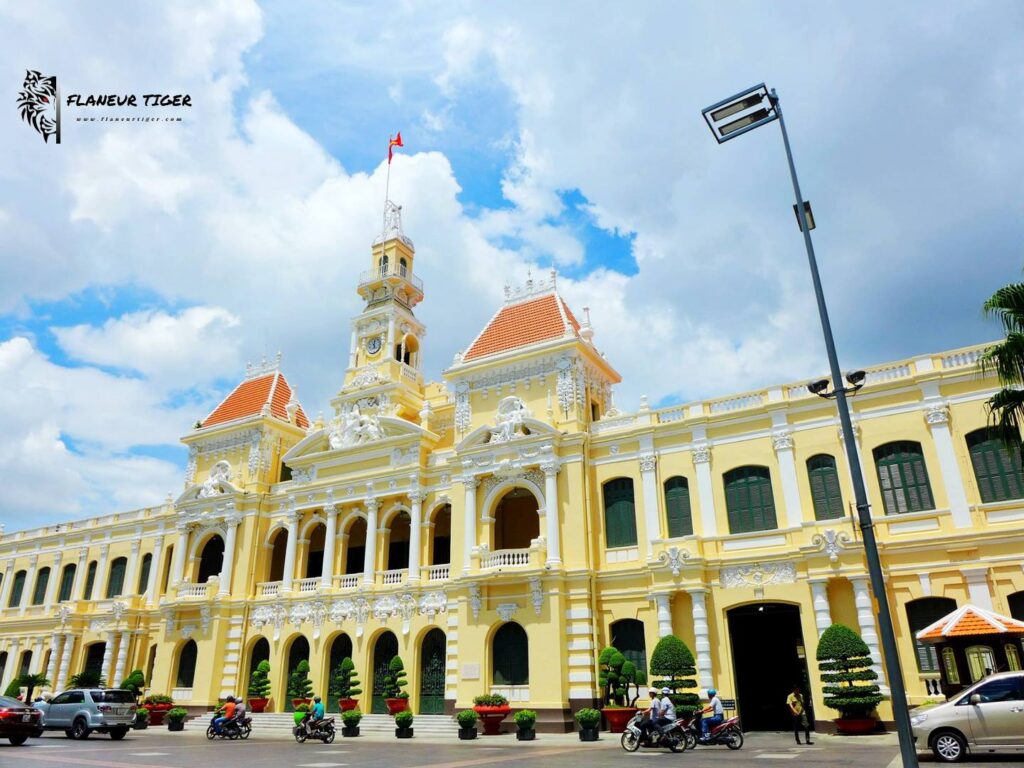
(373, 275)
(396, 576)
(504, 558)
(350, 581)
(308, 586)
(268, 589)
(438, 572)
(189, 589)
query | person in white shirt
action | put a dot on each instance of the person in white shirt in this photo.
(668, 709)
(653, 714)
(717, 714)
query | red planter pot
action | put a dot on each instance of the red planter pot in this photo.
(296, 703)
(396, 705)
(258, 705)
(855, 726)
(157, 712)
(347, 704)
(618, 717)
(491, 717)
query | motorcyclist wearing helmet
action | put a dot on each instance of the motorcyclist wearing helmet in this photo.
(228, 712)
(239, 709)
(717, 713)
(668, 710)
(653, 714)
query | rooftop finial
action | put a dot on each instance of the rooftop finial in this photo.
(263, 368)
(586, 330)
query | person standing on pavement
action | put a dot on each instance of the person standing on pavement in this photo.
(798, 708)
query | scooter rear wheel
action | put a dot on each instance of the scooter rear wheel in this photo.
(677, 744)
(691, 739)
(629, 741)
(246, 730)
(735, 739)
(328, 737)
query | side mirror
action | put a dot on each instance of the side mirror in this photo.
(975, 698)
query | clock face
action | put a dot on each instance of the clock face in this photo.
(373, 345)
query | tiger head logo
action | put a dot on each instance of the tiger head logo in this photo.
(39, 104)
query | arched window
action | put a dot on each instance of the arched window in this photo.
(17, 588)
(384, 264)
(398, 542)
(67, 583)
(510, 656)
(949, 662)
(619, 513)
(442, 530)
(403, 266)
(920, 614)
(90, 580)
(115, 584)
(211, 560)
(997, 467)
(26, 663)
(980, 662)
(147, 563)
(278, 551)
(677, 508)
(825, 493)
(94, 659)
(355, 547)
(1016, 603)
(260, 652)
(903, 478)
(627, 637)
(748, 499)
(516, 522)
(42, 581)
(315, 552)
(187, 664)
(1012, 657)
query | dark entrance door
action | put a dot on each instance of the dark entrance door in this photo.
(432, 657)
(385, 649)
(768, 658)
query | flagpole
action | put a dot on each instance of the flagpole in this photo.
(387, 187)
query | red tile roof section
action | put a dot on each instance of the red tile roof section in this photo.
(528, 322)
(970, 620)
(248, 399)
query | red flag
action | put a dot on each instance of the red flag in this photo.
(392, 143)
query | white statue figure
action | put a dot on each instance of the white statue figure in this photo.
(353, 428)
(509, 421)
(219, 475)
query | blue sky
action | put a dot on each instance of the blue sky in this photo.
(140, 269)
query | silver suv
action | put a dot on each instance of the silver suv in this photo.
(81, 711)
(987, 717)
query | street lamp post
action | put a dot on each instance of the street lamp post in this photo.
(728, 119)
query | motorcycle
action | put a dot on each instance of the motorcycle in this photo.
(727, 732)
(231, 729)
(673, 736)
(321, 729)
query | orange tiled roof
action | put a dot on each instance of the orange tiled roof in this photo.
(517, 325)
(971, 620)
(248, 398)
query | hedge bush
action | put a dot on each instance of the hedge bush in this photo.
(259, 681)
(299, 684)
(848, 678)
(673, 662)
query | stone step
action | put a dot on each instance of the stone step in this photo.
(434, 725)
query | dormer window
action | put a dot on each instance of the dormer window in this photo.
(403, 267)
(384, 264)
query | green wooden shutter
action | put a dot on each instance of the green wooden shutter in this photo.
(90, 580)
(67, 582)
(115, 584)
(16, 589)
(748, 500)
(619, 513)
(147, 563)
(677, 507)
(903, 478)
(42, 581)
(997, 467)
(825, 492)
(187, 664)
(511, 656)
(920, 614)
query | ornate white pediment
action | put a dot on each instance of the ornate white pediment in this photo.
(510, 427)
(216, 485)
(353, 431)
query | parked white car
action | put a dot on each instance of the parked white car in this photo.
(82, 711)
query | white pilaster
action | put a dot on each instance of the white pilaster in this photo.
(649, 486)
(866, 620)
(131, 572)
(154, 570)
(551, 510)
(78, 590)
(122, 657)
(37, 656)
(65, 661)
(937, 417)
(702, 637)
(227, 567)
(782, 441)
(470, 482)
(12, 663)
(55, 576)
(663, 600)
(51, 667)
(99, 585)
(8, 580)
(977, 587)
(415, 525)
(30, 582)
(370, 556)
(290, 546)
(327, 574)
(180, 549)
(705, 488)
(108, 651)
(822, 611)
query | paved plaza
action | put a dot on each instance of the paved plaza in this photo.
(157, 748)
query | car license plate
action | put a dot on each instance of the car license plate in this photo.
(26, 718)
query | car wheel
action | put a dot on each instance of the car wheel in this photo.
(949, 746)
(17, 740)
(118, 733)
(79, 729)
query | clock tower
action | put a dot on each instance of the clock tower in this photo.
(384, 374)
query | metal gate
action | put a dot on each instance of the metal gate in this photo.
(385, 649)
(432, 659)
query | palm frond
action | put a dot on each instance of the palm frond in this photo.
(1006, 415)
(1005, 359)
(1007, 304)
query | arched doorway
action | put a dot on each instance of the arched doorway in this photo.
(398, 542)
(187, 665)
(432, 663)
(628, 638)
(341, 648)
(766, 669)
(384, 650)
(355, 547)
(297, 653)
(211, 559)
(94, 659)
(516, 522)
(279, 548)
(510, 662)
(260, 652)
(315, 552)
(441, 547)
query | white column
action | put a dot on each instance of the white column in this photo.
(108, 651)
(705, 489)
(370, 553)
(37, 657)
(469, 520)
(289, 552)
(51, 667)
(664, 602)
(352, 350)
(866, 620)
(937, 417)
(55, 577)
(649, 484)
(415, 523)
(977, 587)
(228, 563)
(30, 582)
(12, 663)
(180, 549)
(702, 637)
(122, 657)
(822, 611)
(782, 441)
(78, 590)
(8, 580)
(327, 575)
(154, 570)
(130, 574)
(99, 585)
(551, 516)
(65, 661)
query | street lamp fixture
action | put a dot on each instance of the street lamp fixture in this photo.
(732, 117)
(807, 212)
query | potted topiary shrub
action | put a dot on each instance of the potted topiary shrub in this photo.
(615, 676)
(589, 720)
(673, 662)
(394, 681)
(403, 723)
(350, 722)
(492, 708)
(848, 678)
(135, 682)
(345, 685)
(467, 724)
(300, 687)
(259, 687)
(525, 720)
(141, 722)
(176, 719)
(158, 705)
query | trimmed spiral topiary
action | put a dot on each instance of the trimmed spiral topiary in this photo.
(259, 682)
(846, 672)
(394, 680)
(299, 684)
(344, 682)
(673, 662)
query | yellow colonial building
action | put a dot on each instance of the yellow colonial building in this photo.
(498, 528)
